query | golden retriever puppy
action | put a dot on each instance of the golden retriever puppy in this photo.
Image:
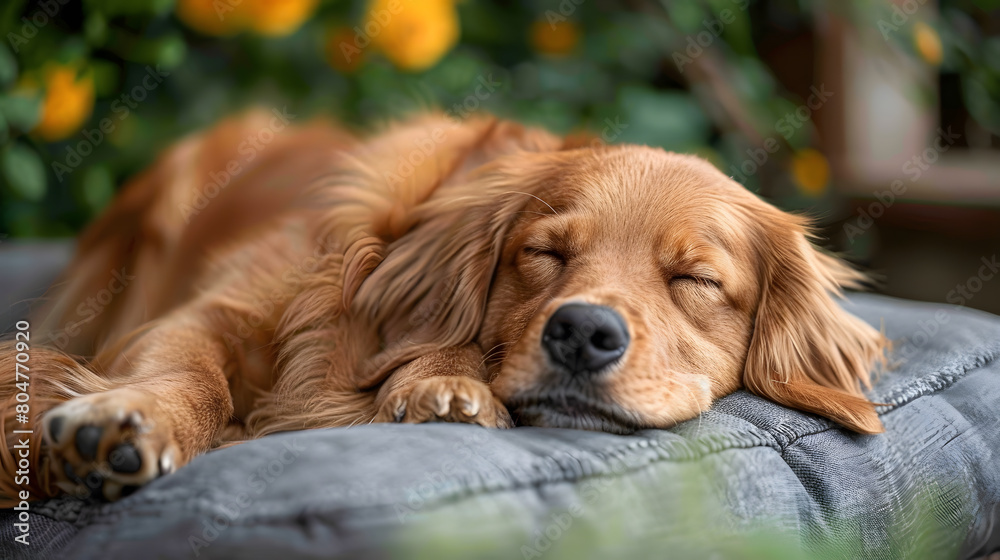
(268, 278)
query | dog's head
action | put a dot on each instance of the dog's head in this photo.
(639, 286)
(626, 287)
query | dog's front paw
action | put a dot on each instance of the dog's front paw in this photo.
(445, 399)
(108, 444)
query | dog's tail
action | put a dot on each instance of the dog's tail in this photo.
(36, 380)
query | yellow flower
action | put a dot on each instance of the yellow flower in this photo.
(211, 17)
(412, 34)
(554, 38)
(69, 100)
(341, 51)
(927, 43)
(811, 171)
(227, 17)
(278, 17)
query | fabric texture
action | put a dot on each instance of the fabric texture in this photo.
(747, 475)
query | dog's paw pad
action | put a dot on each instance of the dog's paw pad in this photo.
(125, 459)
(108, 444)
(55, 428)
(87, 440)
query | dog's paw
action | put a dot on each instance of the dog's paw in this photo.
(108, 444)
(445, 399)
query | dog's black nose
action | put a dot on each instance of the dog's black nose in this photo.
(584, 337)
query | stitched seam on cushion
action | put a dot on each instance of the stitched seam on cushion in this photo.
(464, 490)
(981, 361)
(697, 449)
(944, 378)
(464, 493)
(800, 436)
(775, 436)
(813, 502)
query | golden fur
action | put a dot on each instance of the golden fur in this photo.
(335, 280)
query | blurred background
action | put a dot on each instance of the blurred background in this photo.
(880, 118)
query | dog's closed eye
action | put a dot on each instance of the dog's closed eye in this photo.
(545, 252)
(700, 281)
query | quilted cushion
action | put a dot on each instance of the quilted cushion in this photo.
(748, 477)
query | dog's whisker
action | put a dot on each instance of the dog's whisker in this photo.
(693, 399)
(494, 353)
(536, 197)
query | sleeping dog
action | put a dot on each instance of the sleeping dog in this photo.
(480, 272)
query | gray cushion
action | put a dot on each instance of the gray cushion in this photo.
(748, 477)
(26, 270)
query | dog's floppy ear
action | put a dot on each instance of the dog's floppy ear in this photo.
(431, 289)
(807, 352)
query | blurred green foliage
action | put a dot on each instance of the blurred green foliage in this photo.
(634, 515)
(617, 69)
